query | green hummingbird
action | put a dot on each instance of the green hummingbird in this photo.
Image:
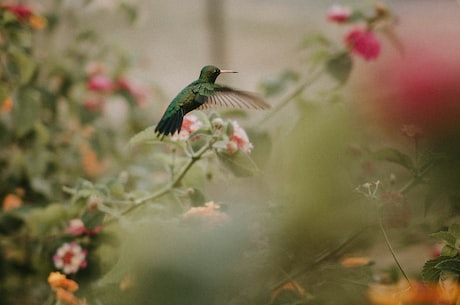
(203, 94)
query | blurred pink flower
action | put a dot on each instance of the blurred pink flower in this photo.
(100, 83)
(94, 104)
(138, 92)
(238, 140)
(77, 227)
(420, 89)
(21, 11)
(338, 13)
(70, 257)
(209, 212)
(363, 43)
(190, 124)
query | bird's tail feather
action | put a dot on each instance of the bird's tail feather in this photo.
(169, 125)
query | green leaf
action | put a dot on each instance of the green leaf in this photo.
(4, 92)
(356, 16)
(239, 163)
(444, 236)
(454, 229)
(449, 251)
(26, 112)
(146, 136)
(23, 64)
(92, 219)
(394, 156)
(339, 66)
(449, 265)
(130, 12)
(197, 197)
(429, 271)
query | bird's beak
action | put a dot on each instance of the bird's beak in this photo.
(227, 71)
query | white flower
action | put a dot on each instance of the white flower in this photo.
(70, 257)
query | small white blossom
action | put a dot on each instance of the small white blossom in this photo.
(70, 257)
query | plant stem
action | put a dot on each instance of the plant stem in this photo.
(415, 180)
(393, 254)
(175, 181)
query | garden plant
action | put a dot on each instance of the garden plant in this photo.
(296, 204)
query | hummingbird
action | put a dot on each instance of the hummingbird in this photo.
(204, 93)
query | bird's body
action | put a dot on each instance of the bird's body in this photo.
(204, 93)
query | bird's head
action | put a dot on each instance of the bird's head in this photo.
(210, 73)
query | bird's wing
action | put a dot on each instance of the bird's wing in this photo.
(221, 96)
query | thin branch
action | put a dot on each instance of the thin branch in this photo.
(175, 182)
(393, 254)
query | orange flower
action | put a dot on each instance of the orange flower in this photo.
(64, 289)
(58, 280)
(357, 261)
(127, 282)
(403, 294)
(37, 22)
(11, 201)
(292, 286)
(7, 105)
(67, 297)
(90, 162)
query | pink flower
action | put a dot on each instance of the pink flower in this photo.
(190, 124)
(209, 212)
(139, 93)
(238, 140)
(338, 13)
(363, 43)
(100, 83)
(70, 257)
(94, 104)
(77, 227)
(21, 11)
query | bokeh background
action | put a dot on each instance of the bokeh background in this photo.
(322, 194)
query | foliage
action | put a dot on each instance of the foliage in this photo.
(285, 212)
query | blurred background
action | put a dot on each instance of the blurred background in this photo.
(317, 199)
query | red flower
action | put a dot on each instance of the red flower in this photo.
(363, 43)
(339, 14)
